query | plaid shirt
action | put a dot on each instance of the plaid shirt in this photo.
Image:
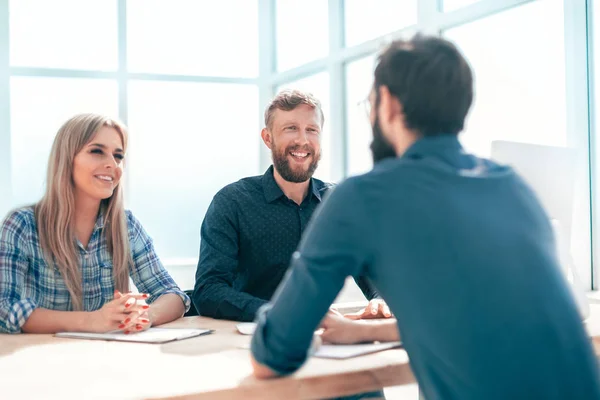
(27, 282)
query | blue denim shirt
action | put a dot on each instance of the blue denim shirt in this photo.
(464, 255)
(27, 282)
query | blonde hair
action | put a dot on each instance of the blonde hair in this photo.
(55, 212)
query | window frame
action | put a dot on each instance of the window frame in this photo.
(431, 19)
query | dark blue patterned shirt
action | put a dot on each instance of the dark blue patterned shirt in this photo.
(248, 236)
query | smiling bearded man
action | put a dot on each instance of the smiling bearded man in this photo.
(253, 226)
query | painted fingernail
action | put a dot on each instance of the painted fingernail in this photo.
(145, 295)
(138, 327)
(145, 307)
(121, 326)
(144, 320)
(126, 332)
(127, 321)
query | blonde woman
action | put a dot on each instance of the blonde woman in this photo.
(65, 262)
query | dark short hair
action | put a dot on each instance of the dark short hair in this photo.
(287, 100)
(432, 81)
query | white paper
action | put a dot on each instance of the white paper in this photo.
(152, 335)
(246, 328)
(341, 351)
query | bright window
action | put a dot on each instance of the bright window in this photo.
(519, 94)
(451, 5)
(366, 20)
(72, 34)
(302, 32)
(193, 37)
(359, 81)
(188, 140)
(39, 106)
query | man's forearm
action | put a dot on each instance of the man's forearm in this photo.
(381, 330)
(218, 300)
(261, 371)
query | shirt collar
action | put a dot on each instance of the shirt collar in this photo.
(315, 189)
(273, 192)
(97, 226)
(439, 145)
(100, 219)
(448, 151)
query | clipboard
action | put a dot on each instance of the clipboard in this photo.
(152, 335)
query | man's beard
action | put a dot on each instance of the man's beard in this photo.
(297, 175)
(380, 146)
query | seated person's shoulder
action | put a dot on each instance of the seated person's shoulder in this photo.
(131, 219)
(323, 187)
(244, 187)
(347, 186)
(134, 227)
(395, 171)
(20, 217)
(18, 223)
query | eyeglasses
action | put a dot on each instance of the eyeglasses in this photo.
(365, 104)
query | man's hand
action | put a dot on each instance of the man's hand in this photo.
(261, 371)
(375, 309)
(340, 330)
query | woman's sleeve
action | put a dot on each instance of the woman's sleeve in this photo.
(15, 308)
(148, 273)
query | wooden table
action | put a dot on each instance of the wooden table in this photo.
(206, 367)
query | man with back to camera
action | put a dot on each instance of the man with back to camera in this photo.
(458, 246)
(253, 226)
